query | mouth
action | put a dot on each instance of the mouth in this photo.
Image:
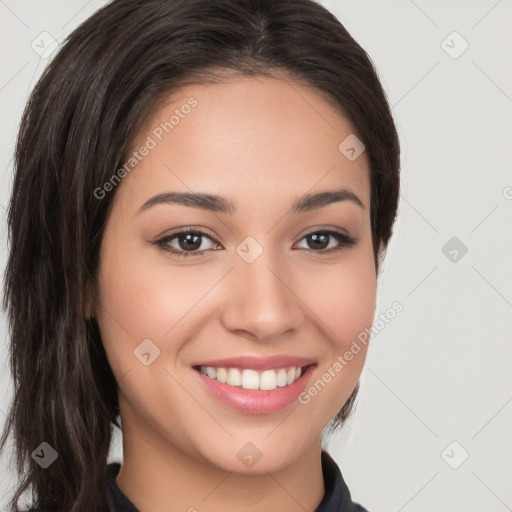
(252, 379)
(255, 392)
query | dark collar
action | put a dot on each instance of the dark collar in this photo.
(336, 498)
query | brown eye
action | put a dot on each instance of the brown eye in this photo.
(318, 241)
(186, 243)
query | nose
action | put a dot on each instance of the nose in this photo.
(260, 301)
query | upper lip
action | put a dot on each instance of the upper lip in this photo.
(258, 363)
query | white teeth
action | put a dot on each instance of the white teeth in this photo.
(222, 374)
(234, 377)
(268, 380)
(252, 379)
(281, 377)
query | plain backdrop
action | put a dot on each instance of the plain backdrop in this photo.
(432, 428)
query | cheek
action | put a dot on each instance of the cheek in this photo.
(349, 304)
(343, 300)
(142, 296)
(343, 297)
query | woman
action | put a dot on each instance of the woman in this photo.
(204, 192)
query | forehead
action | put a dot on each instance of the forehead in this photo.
(248, 134)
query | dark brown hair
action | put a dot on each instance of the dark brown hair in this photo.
(78, 125)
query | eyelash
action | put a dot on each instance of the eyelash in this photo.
(344, 240)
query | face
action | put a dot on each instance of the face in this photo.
(267, 270)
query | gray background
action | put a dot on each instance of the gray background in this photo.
(437, 386)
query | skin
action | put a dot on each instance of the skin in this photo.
(261, 143)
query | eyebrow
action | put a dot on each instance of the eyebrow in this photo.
(220, 204)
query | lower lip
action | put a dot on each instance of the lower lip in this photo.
(253, 401)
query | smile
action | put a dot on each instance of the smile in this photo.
(252, 379)
(252, 391)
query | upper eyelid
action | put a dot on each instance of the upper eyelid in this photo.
(171, 236)
(167, 239)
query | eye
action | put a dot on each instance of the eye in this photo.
(320, 240)
(188, 243)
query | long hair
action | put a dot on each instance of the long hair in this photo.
(87, 108)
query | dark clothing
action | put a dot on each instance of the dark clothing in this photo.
(336, 499)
